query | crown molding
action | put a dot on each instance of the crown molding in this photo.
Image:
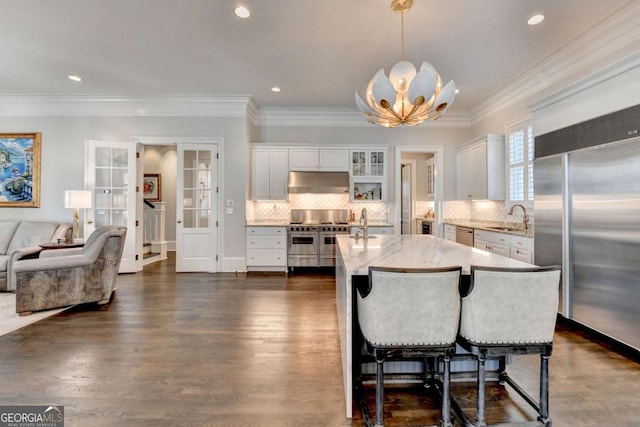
(92, 105)
(609, 72)
(196, 106)
(610, 41)
(341, 117)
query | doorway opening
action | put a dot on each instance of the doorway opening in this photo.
(419, 189)
(183, 213)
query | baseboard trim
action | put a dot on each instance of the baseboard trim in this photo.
(233, 265)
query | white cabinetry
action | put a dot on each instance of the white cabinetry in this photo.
(522, 249)
(368, 175)
(481, 169)
(331, 160)
(269, 173)
(509, 245)
(497, 243)
(431, 178)
(267, 248)
(368, 163)
(450, 232)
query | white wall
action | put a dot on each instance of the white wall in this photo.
(63, 151)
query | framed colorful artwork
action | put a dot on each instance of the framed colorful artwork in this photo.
(151, 187)
(20, 170)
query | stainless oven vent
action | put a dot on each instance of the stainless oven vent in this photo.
(319, 182)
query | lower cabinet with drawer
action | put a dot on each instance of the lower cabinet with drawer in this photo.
(509, 245)
(522, 248)
(450, 232)
(266, 249)
(497, 243)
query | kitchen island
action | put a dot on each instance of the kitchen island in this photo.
(408, 251)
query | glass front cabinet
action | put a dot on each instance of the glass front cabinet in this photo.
(368, 162)
(368, 175)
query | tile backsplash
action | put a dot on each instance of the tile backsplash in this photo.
(483, 210)
(479, 210)
(282, 210)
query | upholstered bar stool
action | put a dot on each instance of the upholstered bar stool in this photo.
(410, 313)
(510, 311)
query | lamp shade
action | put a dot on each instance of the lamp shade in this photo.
(77, 199)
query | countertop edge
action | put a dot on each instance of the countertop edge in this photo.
(487, 227)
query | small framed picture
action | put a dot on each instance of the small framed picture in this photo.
(152, 187)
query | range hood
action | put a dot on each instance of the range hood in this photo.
(319, 182)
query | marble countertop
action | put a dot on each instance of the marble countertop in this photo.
(486, 225)
(415, 250)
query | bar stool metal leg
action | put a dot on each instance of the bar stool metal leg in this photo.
(379, 393)
(446, 395)
(480, 421)
(544, 389)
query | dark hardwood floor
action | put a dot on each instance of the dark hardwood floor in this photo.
(257, 350)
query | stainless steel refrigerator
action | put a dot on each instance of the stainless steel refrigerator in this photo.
(587, 218)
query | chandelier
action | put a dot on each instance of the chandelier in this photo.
(407, 96)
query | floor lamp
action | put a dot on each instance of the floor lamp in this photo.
(77, 199)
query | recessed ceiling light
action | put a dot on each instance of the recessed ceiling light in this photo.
(74, 78)
(535, 19)
(275, 89)
(242, 12)
(457, 90)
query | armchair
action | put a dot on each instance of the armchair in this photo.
(64, 277)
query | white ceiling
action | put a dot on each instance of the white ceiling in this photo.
(318, 52)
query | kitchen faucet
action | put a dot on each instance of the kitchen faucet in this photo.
(363, 224)
(525, 217)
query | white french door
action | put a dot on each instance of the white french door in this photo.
(110, 173)
(196, 208)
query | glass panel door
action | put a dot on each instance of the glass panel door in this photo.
(196, 237)
(111, 176)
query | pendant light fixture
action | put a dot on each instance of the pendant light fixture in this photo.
(407, 96)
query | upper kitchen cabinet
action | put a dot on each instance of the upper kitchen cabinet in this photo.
(269, 173)
(431, 178)
(331, 160)
(368, 163)
(481, 169)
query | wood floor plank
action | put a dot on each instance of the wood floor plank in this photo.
(196, 349)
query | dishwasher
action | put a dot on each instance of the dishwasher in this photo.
(464, 235)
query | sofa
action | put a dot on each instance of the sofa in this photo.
(64, 277)
(20, 239)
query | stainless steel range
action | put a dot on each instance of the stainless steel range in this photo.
(311, 236)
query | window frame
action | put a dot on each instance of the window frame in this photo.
(528, 146)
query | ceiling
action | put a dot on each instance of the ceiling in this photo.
(318, 52)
